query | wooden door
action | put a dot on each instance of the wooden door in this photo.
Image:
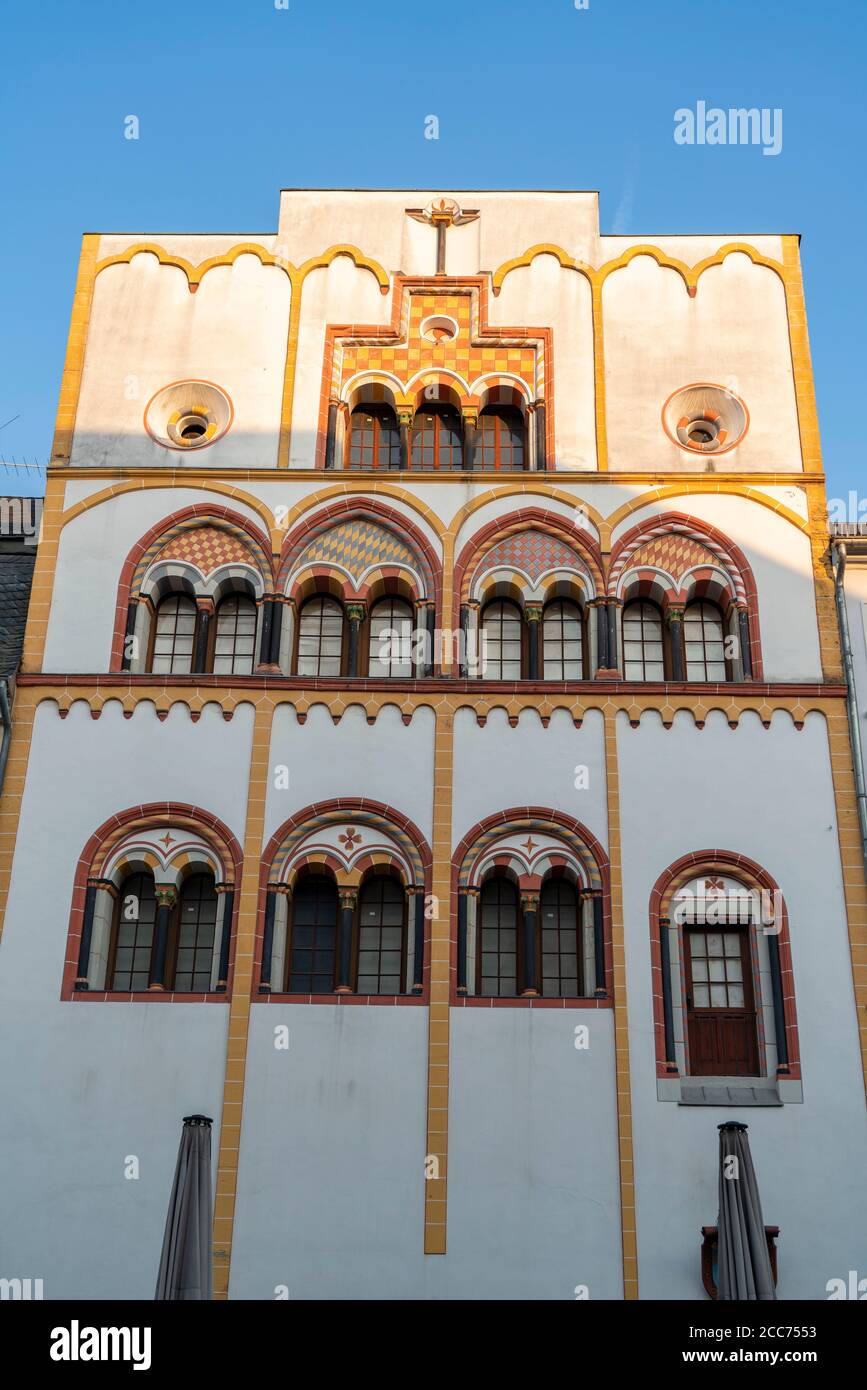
(721, 1013)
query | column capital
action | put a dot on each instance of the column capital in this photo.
(205, 605)
(348, 897)
(674, 613)
(104, 885)
(533, 612)
(355, 612)
(166, 894)
(530, 902)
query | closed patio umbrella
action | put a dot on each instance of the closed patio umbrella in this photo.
(744, 1265)
(185, 1264)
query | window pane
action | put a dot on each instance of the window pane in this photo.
(497, 965)
(500, 442)
(501, 648)
(704, 639)
(391, 640)
(642, 642)
(234, 647)
(381, 962)
(562, 647)
(135, 918)
(174, 634)
(313, 937)
(197, 925)
(560, 917)
(320, 638)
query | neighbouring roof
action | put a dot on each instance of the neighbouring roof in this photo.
(17, 558)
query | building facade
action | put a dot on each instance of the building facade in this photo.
(431, 761)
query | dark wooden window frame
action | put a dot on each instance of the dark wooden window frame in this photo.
(664, 633)
(152, 637)
(497, 420)
(512, 603)
(724, 624)
(233, 596)
(369, 882)
(444, 451)
(384, 454)
(582, 618)
(344, 637)
(173, 940)
(752, 1001)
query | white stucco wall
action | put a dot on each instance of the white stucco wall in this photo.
(93, 1083)
(768, 795)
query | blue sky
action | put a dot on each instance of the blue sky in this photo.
(236, 100)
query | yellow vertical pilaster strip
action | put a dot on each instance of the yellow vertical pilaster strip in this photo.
(852, 861)
(435, 1200)
(811, 453)
(23, 715)
(67, 408)
(239, 1008)
(297, 280)
(596, 284)
(621, 1017)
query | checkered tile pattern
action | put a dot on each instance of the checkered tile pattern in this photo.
(534, 552)
(204, 546)
(355, 546)
(207, 548)
(415, 353)
(674, 554)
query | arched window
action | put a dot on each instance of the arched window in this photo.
(374, 438)
(133, 934)
(313, 937)
(320, 638)
(235, 640)
(391, 646)
(559, 908)
(642, 642)
(497, 937)
(502, 641)
(437, 437)
(174, 634)
(704, 642)
(500, 439)
(196, 934)
(381, 936)
(562, 642)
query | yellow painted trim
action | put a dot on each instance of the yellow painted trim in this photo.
(437, 1143)
(542, 248)
(73, 366)
(180, 480)
(628, 1227)
(852, 864)
(298, 275)
(194, 273)
(23, 715)
(239, 1007)
(713, 483)
(42, 587)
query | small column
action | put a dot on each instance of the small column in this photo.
(355, 617)
(265, 635)
(226, 894)
(404, 423)
(599, 946)
(533, 615)
(348, 901)
(530, 911)
(462, 943)
(81, 976)
(463, 667)
(674, 618)
(541, 456)
(129, 635)
(777, 997)
(422, 656)
(268, 939)
(166, 896)
(331, 435)
(205, 608)
(600, 608)
(277, 607)
(415, 897)
(613, 606)
(471, 424)
(667, 1010)
(744, 637)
